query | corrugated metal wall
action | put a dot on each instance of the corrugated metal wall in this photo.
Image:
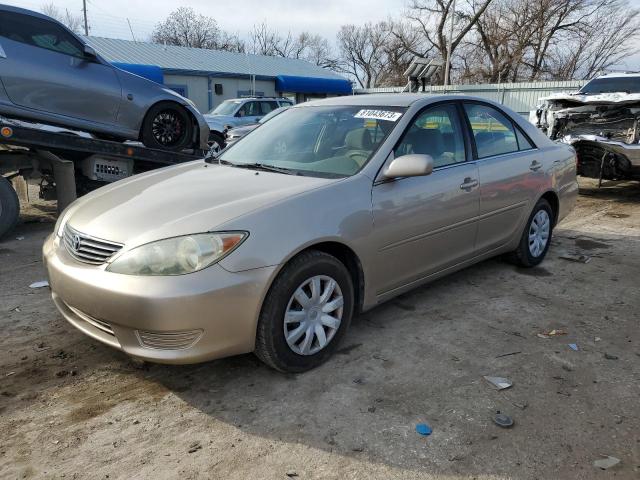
(521, 97)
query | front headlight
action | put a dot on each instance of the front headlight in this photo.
(178, 255)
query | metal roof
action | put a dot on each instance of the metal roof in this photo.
(170, 57)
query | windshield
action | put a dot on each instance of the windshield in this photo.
(331, 141)
(228, 107)
(611, 85)
(272, 114)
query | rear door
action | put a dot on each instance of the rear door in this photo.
(426, 224)
(510, 173)
(44, 69)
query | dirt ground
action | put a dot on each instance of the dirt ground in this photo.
(73, 408)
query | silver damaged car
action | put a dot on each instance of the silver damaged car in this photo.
(50, 75)
(273, 251)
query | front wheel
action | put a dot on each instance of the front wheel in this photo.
(307, 311)
(536, 237)
(167, 126)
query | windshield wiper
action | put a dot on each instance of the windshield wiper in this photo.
(266, 168)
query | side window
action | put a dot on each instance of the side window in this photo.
(249, 109)
(39, 33)
(492, 131)
(267, 107)
(436, 132)
(523, 142)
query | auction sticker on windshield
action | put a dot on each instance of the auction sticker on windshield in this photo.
(379, 115)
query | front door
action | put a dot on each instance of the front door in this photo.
(510, 175)
(423, 225)
(44, 69)
(248, 113)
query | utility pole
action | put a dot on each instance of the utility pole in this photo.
(447, 67)
(84, 11)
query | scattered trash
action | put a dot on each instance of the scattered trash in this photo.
(521, 406)
(567, 368)
(194, 447)
(573, 257)
(609, 356)
(597, 339)
(40, 284)
(371, 409)
(606, 463)
(291, 474)
(502, 420)
(499, 383)
(19, 238)
(552, 333)
(10, 373)
(508, 354)
(358, 381)
(423, 429)
(573, 346)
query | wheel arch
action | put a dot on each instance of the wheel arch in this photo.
(553, 199)
(346, 255)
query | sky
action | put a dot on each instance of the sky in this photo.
(109, 18)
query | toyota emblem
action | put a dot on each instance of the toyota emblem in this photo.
(76, 242)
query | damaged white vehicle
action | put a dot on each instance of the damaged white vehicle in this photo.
(601, 122)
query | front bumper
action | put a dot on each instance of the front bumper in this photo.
(173, 319)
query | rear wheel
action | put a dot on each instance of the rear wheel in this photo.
(9, 207)
(536, 236)
(167, 126)
(307, 311)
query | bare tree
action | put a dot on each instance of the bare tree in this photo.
(184, 27)
(305, 46)
(430, 20)
(362, 52)
(72, 22)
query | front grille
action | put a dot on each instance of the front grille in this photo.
(168, 340)
(88, 249)
(99, 324)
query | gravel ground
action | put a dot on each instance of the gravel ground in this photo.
(73, 408)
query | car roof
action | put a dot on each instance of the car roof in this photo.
(244, 99)
(619, 75)
(392, 100)
(24, 11)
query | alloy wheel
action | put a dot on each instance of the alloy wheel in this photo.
(539, 230)
(167, 128)
(313, 315)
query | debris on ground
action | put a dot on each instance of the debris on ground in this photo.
(502, 420)
(291, 474)
(521, 406)
(606, 463)
(573, 346)
(10, 373)
(574, 257)
(40, 284)
(552, 333)
(500, 383)
(508, 354)
(609, 356)
(19, 238)
(40, 346)
(194, 447)
(423, 429)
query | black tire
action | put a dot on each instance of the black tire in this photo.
(9, 207)
(522, 256)
(217, 138)
(271, 346)
(167, 126)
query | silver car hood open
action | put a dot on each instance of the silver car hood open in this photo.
(151, 206)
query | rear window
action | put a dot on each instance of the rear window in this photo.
(612, 85)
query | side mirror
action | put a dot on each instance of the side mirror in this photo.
(90, 53)
(414, 165)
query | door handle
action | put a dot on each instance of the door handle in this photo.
(468, 184)
(535, 165)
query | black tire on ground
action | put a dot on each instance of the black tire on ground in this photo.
(271, 346)
(522, 256)
(9, 207)
(167, 126)
(215, 137)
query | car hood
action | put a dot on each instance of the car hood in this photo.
(243, 130)
(220, 120)
(190, 198)
(601, 98)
